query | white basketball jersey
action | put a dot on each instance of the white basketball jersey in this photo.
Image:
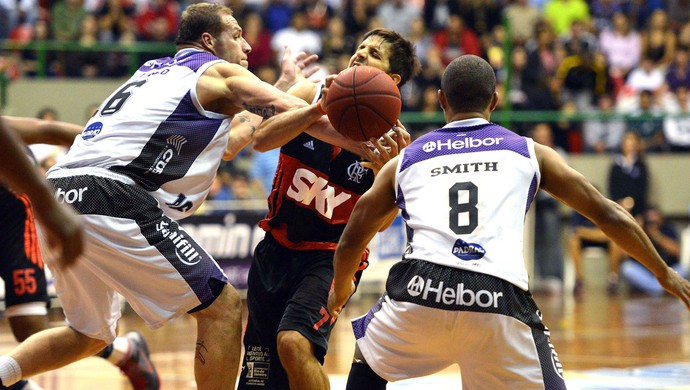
(154, 130)
(464, 191)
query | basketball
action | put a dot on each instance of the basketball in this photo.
(363, 102)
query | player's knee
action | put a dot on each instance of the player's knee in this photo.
(226, 306)
(292, 344)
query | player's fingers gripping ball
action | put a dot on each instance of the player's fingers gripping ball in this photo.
(363, 102)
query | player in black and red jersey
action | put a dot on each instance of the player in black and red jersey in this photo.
(315, 187)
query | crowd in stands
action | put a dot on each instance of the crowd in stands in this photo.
(625, 61)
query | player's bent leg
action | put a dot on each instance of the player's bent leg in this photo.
(297, 356)
(50, 349)
(219, 341)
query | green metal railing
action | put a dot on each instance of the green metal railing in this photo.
(42, 48)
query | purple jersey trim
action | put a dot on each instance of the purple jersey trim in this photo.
(191, 59)
(465, 139)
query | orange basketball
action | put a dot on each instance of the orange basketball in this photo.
(363, 102)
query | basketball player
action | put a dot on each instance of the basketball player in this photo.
(21, 267)
(315, 187)
(459, 295)
(146, 159)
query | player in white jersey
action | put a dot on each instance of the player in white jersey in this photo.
(144, 160)
(460, 293)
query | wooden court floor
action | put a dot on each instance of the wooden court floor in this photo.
(592, 332)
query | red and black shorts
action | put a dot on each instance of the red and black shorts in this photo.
(21, 264)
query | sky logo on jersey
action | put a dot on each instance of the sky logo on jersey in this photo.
(92, 130)
(307, 187)
(465, 143)
(184, 250)
(468, 251)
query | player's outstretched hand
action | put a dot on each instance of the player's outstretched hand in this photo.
(677, 285)
(64, 232)
(295, 69)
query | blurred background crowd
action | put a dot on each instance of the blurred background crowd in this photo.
(625, 63)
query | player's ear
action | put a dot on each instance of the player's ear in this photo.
(396, 77)
(494, 102)
(208, 41)
(442, 99)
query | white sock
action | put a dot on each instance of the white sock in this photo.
(121, 350)
(10, 372)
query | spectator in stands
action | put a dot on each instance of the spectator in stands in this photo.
(398, 15)
(480, 16)
(548, 252)
(621, 46)
(562, 13)
(677, 124)
(666, 240)
(678, 73)
(640, 11)
(114, 19)
(278, 15)
(357, 15)
(319, 13)
(259, 38)
(522, 18)
(658, 39)
(602, 12)
(628, 180)
(457, 39)
(584, 234)
(297, 37)
(542, 62)
(604, 133)
(678, 13)
(420, 37)
(154, 13)
(87, 63)
(579, 39)
(684, 35)
(336, 41)
(14, 13)
(436, 13)
(646, 76)
(647, 121)
(581, 78)
(65, 20)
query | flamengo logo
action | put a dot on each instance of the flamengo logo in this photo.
(307, 187)
(184, 250)
(458, 296)
(468, 143)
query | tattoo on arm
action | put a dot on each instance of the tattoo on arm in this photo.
(200, 351)
(263, 111)
(244, 119)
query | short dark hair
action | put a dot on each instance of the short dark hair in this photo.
(469, 84)
(200, 18)
(403, 60)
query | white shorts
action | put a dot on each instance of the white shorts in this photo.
(487, 326)
(132, 249)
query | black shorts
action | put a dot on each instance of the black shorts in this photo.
(287, 290)
(21, 264)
